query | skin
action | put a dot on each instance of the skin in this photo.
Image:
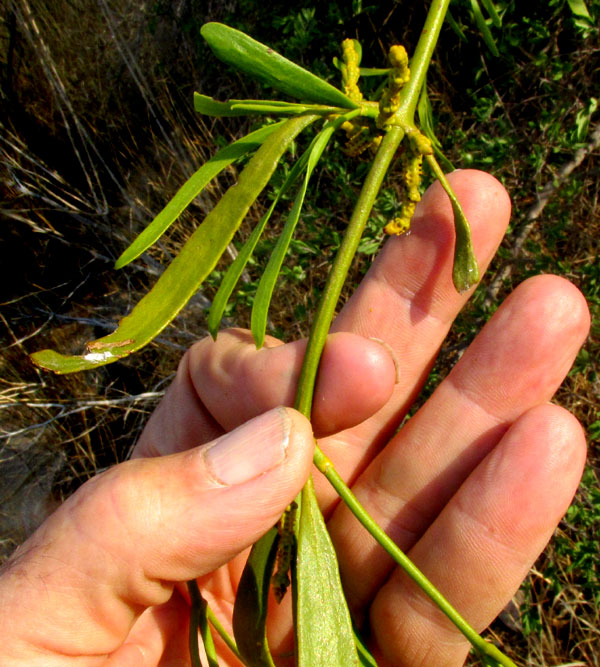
(471, 487)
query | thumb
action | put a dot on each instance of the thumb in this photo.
(121, 542)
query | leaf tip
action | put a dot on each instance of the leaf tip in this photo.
(465, 271)
(208, 28)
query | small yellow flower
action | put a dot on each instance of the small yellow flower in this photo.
(398, 77)
(401, 224)
(351, 70)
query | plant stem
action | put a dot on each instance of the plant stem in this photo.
(481, 645)
(199, 615)
(195, 611)
(335, 281)
(220, 630)
(339, 270)
(419, 63)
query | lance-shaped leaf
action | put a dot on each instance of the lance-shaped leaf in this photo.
(264, 292)
(210, 107)
(426, 123)
(454, 25)
(465, 272)
(230, 279)
(579, 8)
(364, 71)
(263, 63)
(250, 609)
(199, 623)
(324, 632)
(191, 189)
(192, 265)
(490, 8)
(484, 29)
(364, 655)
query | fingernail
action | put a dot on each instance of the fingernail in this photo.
(390, 351)
(250, 450)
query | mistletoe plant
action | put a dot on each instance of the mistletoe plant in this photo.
(300, 543)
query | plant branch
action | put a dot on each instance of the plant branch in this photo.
(419, 63)
(225, 636)
(341, 265)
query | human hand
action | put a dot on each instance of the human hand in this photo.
(471, 487)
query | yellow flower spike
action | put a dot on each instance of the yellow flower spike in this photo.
(401, 224)
(280, 579)
(412, 176)
(358, 141)
(420, 142)
(375, 141)
(398, 59)
(398, 77)
(351, 72)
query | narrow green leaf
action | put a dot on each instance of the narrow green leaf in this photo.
(465, 272)
(374, 71)
(193, 646)
(484, 28)
(191, 189)
(364, 655)
(230, 280)
(263, 63)
(250, 609)
(456, 27)
(220, 630)
(194, 262)
(425, 113)
(290, 109)
(583, 117)
(579, 8)
(210, 107)
(264, 292)
(490, 8)
(426, 117)
(199, 622)
(323, 627)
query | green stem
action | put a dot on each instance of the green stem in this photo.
(199, 623)
(195, 611)
(481, 645)
(339, 271)
(419, 63)
(220, 630)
